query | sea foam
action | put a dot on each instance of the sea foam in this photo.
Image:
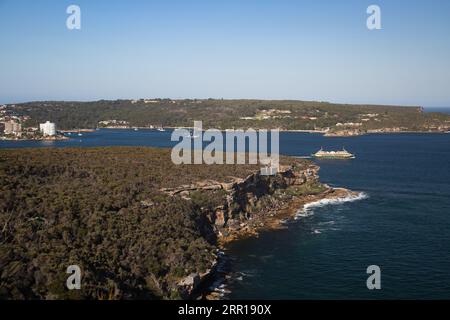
(308, 209)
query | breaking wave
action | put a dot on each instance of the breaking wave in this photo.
(308, 209)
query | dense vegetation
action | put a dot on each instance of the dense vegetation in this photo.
(102, 209)
(223, 114)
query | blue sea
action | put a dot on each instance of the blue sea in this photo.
(402, 225)
(437, 109)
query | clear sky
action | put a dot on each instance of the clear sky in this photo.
(309, 50)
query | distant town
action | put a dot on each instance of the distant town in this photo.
(12, 128)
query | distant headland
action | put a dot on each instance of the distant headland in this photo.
(330, 119)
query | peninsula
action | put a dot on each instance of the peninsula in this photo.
(330, 119)
(136, 224)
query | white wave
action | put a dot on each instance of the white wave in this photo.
(308, 209)
(247, 273)
(222, 290)
(326, 223)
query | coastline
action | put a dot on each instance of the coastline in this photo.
(57, 138)
(215, 286)
(383, 133)
(250, 206)
(276, 219)
(77, 130)
(324, 133)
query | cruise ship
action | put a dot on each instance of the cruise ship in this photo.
(343, 154)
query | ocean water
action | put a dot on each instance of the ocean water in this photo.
(437, 109)
(401, 224)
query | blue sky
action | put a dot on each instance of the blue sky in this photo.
(308, 50)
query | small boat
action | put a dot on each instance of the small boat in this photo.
(342, 154)
(80, 134)
(136, 129)
(161, 129)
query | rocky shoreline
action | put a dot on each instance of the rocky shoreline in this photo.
(254, 204)
(276, 219)
(50, 138)
(217, 288)
(358, 132)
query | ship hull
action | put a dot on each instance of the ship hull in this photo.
(333, 157)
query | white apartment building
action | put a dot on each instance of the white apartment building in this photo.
(48, 128)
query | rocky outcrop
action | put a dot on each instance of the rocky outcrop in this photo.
(250, 203)
(243, 209)
(344, 133)
(206, 185)
(191, 286)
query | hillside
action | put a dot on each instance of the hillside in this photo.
(137, 225)
(224, 114)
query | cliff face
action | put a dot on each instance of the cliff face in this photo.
(248, 201)
(252, 200)
(250, 204)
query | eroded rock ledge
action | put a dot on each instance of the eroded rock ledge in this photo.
(253, 204)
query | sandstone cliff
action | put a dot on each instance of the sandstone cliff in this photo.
(249, 205)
